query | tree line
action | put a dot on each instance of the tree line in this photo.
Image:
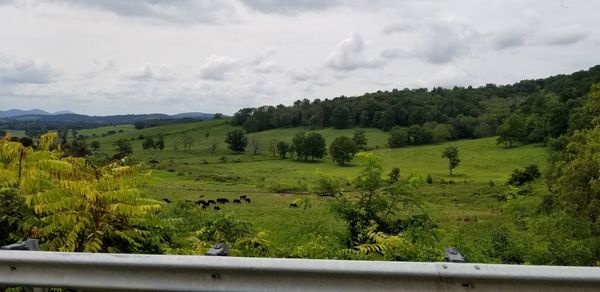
(524, 112)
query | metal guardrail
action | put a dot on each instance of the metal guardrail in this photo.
(201, 273)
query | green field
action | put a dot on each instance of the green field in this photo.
(469, 205)
(16, 133)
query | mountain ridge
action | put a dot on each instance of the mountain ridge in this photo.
(38, 114)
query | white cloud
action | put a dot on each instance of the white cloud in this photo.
(100, 67)
(447, 40)
(398, 27)
(350, 54)
(178, 11)
(435, 40)
(15, 71)
(151, 73)
(450, 76)
(508, 39)
(271, 52)
(563, 36)
(216, 67)
(289, 6)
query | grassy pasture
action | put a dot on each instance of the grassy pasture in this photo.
(16, 133)
(468, 206)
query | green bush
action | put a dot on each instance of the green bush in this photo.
(520, 177)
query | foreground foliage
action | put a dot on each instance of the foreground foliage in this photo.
(75, 205)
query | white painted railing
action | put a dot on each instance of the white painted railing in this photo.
(203, 273)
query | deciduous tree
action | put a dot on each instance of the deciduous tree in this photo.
(398, 137)
(451, 153)
(360, 138)
(123, 147)
(342, 150)
(237, 141)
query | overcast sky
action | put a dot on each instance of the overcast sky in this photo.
(124, 56)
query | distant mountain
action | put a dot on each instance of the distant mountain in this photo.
(193, 115)
(63, 113)
(39, 120)
(84, 119)
(37, 114)
(16, 112)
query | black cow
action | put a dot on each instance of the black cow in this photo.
(247, 200)
(201, 202)
(167, 201)
(293, 205)
(222, 201)
(236, 201)
(216, 208)
(204, 206)
(243, 196)
(211, 202)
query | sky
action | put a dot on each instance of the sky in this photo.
(104, 57)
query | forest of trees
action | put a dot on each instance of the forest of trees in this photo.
(525, 112)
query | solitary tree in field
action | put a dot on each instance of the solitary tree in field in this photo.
(273, 146)
(214, 143)
(95, 145)
(298, 143)
(314, 146)
(123, 147)
(149, 144)
(342, 150)
(237, 141)
(453, 160)
(282, 149)
(512, 130)
(187, 142)
(255, 145)
(360, 139)
(160, 143)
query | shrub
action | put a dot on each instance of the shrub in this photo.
(522, 176)
(394, 175)
(327, 186)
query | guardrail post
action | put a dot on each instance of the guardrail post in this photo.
(453, 256)
(31, 245)
(220, 249)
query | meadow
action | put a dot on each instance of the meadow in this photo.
(463, 206)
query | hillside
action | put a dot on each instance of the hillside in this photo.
(272, 183)
(529, 111)
(16, 112)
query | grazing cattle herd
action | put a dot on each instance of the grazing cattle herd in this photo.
(204, 204)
